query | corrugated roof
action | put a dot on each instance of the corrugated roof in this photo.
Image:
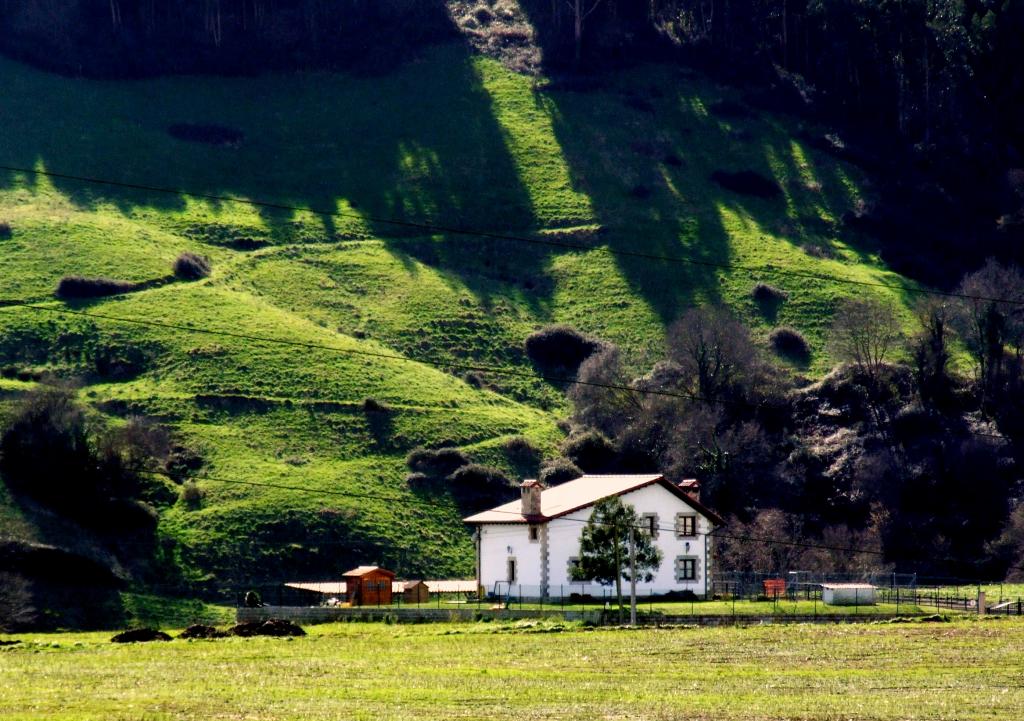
(580, 493)
(860, 586)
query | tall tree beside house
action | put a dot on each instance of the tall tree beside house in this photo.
(604, 547)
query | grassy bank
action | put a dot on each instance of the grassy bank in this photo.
(963, 670)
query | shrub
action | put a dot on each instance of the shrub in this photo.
(5, 230)
(520, 451)
(559, 471)
(764, 293)
(674, 160)
(560, 347)
(590, 451)
(477, 485)
(76, 286)
(437, 463)
(192, 495)
(189, 266)
(640, 191)
(419, 481)
(790, 342)
(747, 182)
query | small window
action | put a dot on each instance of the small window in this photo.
(650, 524)
(686, 525)
(534, 533)
(686, 569)
(512, 570)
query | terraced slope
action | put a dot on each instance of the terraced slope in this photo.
(452, 140)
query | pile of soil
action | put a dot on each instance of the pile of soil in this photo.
(271, 627)
(198, 630)
(139, 635)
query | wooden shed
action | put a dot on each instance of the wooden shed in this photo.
(416, 592)
(369, 586)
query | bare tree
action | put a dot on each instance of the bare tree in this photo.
(989, 325)
(864, 332)
(596, 403)
(930, 350)
(581, 10)
(714, 350)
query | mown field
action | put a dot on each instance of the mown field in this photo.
(451, 139)
(962, 670)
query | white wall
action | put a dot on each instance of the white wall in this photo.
(498, 542)
(563, 541)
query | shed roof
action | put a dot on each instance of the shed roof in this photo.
(367, 570)
(851, 586)
(585, 491)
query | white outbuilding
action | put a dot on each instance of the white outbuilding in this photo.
(848, 594)
(530, 546)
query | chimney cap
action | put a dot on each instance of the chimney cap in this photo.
(531, 483)
(689, 483)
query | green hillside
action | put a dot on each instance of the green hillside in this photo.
(451, 139)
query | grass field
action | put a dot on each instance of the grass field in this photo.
(452, 139)
(963, 670)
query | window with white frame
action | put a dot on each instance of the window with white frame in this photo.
(534, 533)
(686, 525)
(511, 569)
(686, 568)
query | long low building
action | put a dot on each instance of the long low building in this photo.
(340, 588)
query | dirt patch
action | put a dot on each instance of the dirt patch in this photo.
(219, 135)
(199, 630)
(271, 627)
(140, 635)
(747, 182)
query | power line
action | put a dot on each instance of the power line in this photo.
(442, 365)
(561, 244)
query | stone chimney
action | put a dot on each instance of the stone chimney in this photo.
(531, 497)
(691, 487)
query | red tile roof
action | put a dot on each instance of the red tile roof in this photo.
(586, 491)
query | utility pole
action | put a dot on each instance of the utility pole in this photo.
(632, 576)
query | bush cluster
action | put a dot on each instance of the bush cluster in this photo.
(790, 342)
(560, 347)
(76, 286)
(765, 293)
(559, 471)
(189, 266)
(436, 462)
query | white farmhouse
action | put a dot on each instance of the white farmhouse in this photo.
(528, 547)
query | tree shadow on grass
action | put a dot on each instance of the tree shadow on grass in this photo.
(420, 146)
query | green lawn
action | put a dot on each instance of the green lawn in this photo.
(963, 670)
